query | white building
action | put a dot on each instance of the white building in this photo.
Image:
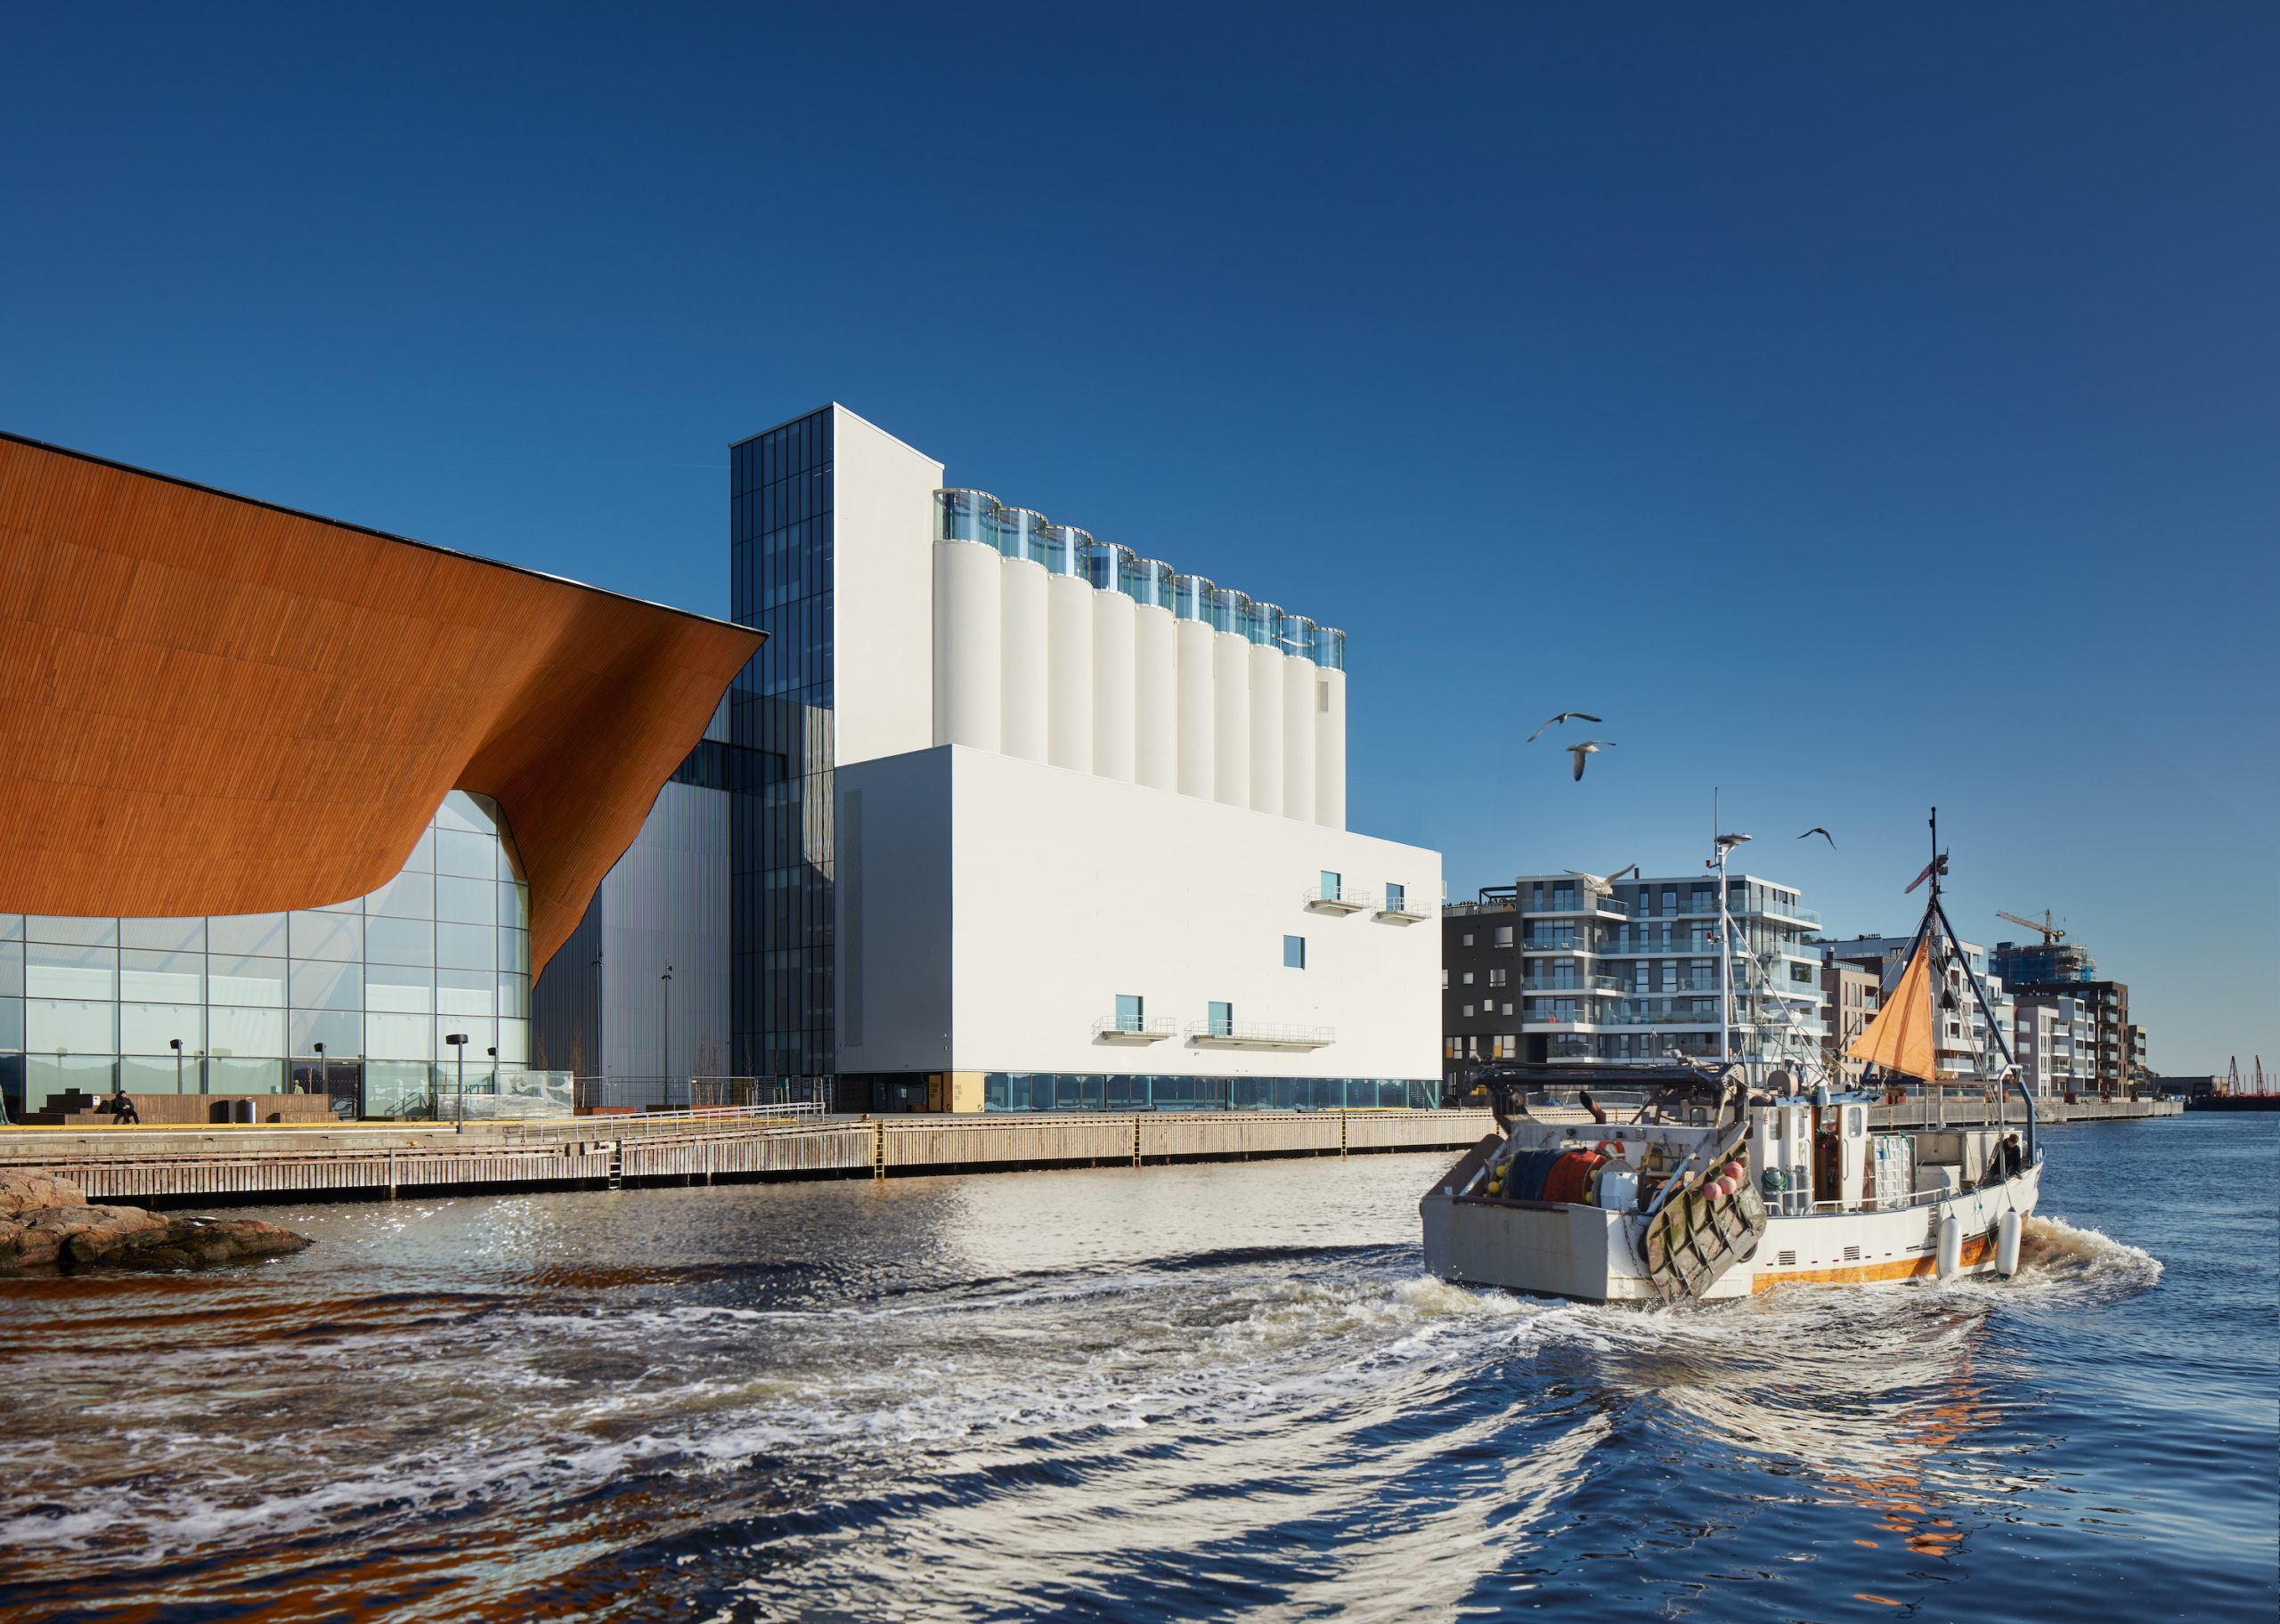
(1089, 827)
(2055, 1040)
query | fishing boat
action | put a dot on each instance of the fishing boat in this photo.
(1699, 1180)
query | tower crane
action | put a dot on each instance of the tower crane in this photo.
(2051, 934)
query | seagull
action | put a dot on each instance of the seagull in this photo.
(1589, 747)
(1824, 834)
(1597, 886)
(1564, 716)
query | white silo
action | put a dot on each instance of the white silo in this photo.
(1298, 700)
(1267, 663)
(1230, 702)
(1154, 693)
(1115, 658)
(1022, 710)
(967, 671)
(1069, 672)
(1329, 727)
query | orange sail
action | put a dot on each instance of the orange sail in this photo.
(1901, 1038)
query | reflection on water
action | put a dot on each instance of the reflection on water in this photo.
(1196, 1391)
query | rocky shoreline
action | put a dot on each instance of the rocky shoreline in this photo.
(47, 1227)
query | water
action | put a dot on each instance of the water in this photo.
(1202, 1392)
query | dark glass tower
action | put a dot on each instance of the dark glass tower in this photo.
(780, 581)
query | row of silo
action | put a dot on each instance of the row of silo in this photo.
(1054, 646)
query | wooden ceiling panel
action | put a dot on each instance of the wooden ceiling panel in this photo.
(210, 705)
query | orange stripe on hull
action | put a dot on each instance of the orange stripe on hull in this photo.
(1977, 1250)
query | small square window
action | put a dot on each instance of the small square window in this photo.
(1467, 977)
(1503, 936)
(1468, 1011)
(1466, 940)
(1294, 952)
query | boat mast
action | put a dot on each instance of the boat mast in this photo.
(1725, 943)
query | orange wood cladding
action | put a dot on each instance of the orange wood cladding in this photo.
(210, 705)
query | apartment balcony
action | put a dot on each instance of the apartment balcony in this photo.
(1588, 906)
(1406, 911)
(1250, 1035)
(1133, 1031)
(1574, 984)
(1549, 944)
(1555, 1027)
(1656, 950)
(1339, 901)
(1786, 912)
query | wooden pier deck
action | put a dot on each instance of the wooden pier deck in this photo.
(214, 1166)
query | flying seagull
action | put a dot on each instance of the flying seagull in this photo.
(1564, 716)
(1589, 747)
(1824, 834)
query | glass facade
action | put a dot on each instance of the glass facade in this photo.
(780, 707)
(1020, 532)
(444, 946)
(1044, 1091)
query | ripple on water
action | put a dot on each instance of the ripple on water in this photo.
(1032, 1403)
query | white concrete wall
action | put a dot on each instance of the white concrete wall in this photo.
(1065, 888)
(883, 600)
(893, 953)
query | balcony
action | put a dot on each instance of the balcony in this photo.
(1554, 944)
(1131, 1031)
(1405, 911)
(1574, 984)
(1686, 949)
(1339, 901)
(1252, 1035)
(1562, 903)
(1789, 912)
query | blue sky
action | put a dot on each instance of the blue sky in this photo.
(1858, 407)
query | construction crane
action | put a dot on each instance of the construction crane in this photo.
(2051, 934)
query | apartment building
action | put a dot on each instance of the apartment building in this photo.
(1962, 1040)
(1557, 967)
(2054, 1041)
(1852, 993)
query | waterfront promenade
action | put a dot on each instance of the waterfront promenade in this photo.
(380, 1161)
(188, 1166)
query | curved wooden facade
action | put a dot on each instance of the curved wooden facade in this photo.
(211, 705)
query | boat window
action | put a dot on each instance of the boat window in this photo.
(1856, 1121)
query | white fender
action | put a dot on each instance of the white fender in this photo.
(1949, 1255)
(2006, 1244)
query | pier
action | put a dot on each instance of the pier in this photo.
(381, 1161)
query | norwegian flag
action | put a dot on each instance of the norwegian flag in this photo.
(1937, 865)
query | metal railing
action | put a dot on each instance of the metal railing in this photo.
(1258, 1035)
(664, 1095)
(1584, 984)
(1565, 904)
(1135, 1029)
(1340, 900)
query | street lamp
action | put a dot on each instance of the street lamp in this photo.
(458, 1041)
(665, 1040)
(324, 1076)
(174, 1044)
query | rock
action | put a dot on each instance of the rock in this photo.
(185, 1243)
(46, 1222)
(29, 1193)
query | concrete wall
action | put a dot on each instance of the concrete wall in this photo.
(1064, 889)
(893, 915)
(883, 591)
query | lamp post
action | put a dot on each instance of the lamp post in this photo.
(458, 1041)
(324, 1076)
(664, 1039)
(174, 1044)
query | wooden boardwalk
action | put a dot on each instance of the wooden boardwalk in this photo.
(220, 1166)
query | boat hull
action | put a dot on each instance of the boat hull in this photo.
(1587, 1252)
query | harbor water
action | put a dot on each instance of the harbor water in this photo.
(1196, 1392)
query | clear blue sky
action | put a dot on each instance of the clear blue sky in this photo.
(1858, 407)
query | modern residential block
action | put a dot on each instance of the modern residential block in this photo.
(1553, 969)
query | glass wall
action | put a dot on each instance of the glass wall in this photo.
(237, 1004)
(1041, 1090)
(780, 581)
(1021, 532)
